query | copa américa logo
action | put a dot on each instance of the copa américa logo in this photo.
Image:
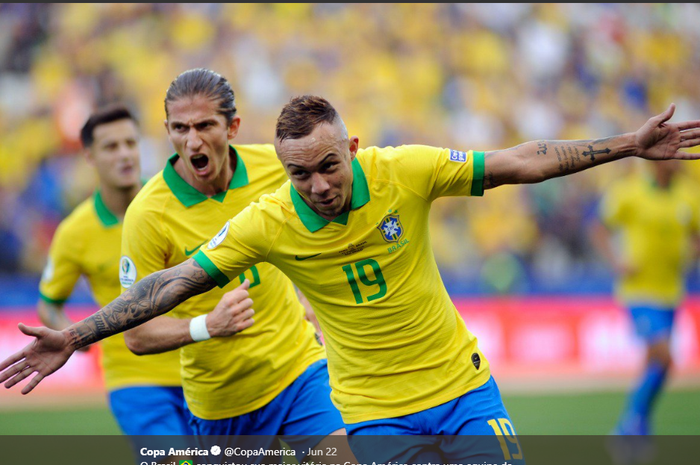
(127, 272)
(219, 238)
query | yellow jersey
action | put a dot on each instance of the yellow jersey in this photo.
(165, 225)
(396, 344)
(87, 242)
(657, 227)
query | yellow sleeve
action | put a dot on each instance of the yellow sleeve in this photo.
(439, 172)
(63, 267)
(242, 242)
(144, 246)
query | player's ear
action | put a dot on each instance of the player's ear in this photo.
(233, 127)
(354, 146)
(89, 156)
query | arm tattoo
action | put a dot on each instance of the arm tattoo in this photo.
(489, 181)
(570, 153)
(154, 295)
(544, 159)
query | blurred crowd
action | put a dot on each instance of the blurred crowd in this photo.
(464, 76)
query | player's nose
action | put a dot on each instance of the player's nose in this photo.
(193, 140)
(319, 185)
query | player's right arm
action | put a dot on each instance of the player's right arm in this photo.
(154, 295)
(537, 161)
(231, 315)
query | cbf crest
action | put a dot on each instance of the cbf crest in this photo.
(391, 228)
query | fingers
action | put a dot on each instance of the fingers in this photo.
(247, 323)
(666, 115)
(243, 320)
(30, 330)
(32, 384)
(685, 125)
(244, 304)
(22, 373)
(9, 373)
(685, 144)
(686, 156)
(11, 360)
(237, 295)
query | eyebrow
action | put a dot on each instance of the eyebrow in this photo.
(110, 141)
(204, 120)
(292, 165)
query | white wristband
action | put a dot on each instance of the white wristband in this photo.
(198, 328)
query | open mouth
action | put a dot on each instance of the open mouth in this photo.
(200, 162)
(327, 203)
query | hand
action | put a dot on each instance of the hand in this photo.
(232, 314)
(46, 354)
(659, 140)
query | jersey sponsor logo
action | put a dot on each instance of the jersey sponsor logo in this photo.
(189, 252)
(301, 259)
(456, 155)
(219, 238)
(354, 248)
(127, 272)
(391, 228)
(48, 271)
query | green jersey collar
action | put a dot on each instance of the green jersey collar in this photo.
(360, 196)
(107, 218)
(188, 195)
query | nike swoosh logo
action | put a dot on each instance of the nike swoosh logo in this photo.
(190, 252)
(301, 259)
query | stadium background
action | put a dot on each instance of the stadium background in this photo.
(518, 262)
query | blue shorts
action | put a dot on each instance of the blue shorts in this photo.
(150, 410)
(652, 323)
(302, 408)
(467, 419)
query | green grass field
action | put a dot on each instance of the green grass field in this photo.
(556, 414)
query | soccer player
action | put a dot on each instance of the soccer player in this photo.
(656, 214)
(351, 230)
(144, 393)
(271, 378)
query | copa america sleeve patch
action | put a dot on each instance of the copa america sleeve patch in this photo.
(47, 275)
(458, 156)
(127, 272)
(219, 238)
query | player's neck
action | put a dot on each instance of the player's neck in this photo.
(118, 199)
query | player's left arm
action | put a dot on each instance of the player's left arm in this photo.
(537, 161)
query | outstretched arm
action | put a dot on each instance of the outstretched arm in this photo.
(231, 315)
(537, 161)
(53, 316)
(154, 295)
